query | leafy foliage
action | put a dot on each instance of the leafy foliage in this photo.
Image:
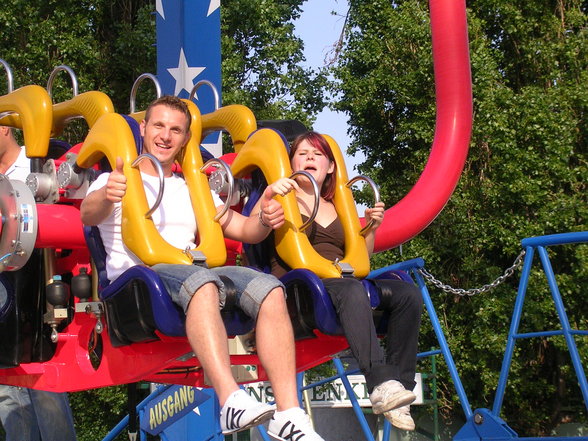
(525, 176)
(96, 412)
(261, 66)
(94, 38)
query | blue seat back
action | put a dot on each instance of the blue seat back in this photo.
(98, 253)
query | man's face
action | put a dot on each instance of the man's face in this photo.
(165, 134)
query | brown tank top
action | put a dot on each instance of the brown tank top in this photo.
(328, 241)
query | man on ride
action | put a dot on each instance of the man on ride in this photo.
(198, 290)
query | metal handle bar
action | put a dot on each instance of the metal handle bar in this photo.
(214, 92)
(376, 191)
(317, 197)
(230, 180)
(72, 75)
(138, 81)
(159, 169)
(9, 77)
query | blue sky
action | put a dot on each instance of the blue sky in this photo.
(320, 30)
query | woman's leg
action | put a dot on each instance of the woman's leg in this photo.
(405, 305)
(355, 314)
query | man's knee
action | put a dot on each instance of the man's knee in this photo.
(275, 300)
(206, 293)
(209, 288)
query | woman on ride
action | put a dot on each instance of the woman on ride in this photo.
(389, 379)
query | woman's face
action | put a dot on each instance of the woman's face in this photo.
(310, 159)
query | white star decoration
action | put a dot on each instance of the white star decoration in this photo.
(159, 8)
(184, 74)
(213, 6)
(216, 148)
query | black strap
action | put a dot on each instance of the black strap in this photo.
(231, 294)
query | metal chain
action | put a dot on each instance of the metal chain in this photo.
(472, 292)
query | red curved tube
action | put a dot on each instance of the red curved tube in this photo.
(453, 88)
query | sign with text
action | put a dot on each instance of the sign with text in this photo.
(332, 394)
(170, 406)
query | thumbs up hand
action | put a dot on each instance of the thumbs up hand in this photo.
(116, 186)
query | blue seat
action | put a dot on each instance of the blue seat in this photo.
(138, 304)
(310, 306)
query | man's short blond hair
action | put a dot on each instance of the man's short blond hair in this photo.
(173, 102)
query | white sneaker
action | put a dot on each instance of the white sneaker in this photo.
(292, 425)
(400, 418)
(241, 412)
(390, 395)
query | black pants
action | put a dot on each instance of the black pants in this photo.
(355, 314)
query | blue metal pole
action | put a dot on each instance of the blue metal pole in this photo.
(514, 326)
(300, 384)
(555, 239)
(565, 324)
(465, 404)
(387, 430)
(125, 421)
(407, 265)
(354, 403)
(263, 433)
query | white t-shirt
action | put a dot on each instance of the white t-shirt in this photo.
(174, 219)
(21, 168)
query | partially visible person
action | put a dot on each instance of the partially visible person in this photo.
(35, 415)
(28, 414)
(390, 379)
(200, 291)
(13, 159)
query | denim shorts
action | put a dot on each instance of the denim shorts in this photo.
(251, 286)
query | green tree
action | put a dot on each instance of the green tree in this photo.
(525, 176)
(262, 61)
(96, 412)
(94, 38)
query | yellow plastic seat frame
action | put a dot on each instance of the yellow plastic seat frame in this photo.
(88, 105)
(236, 119)
(29, 108)
(111, 137)
(265, 150)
